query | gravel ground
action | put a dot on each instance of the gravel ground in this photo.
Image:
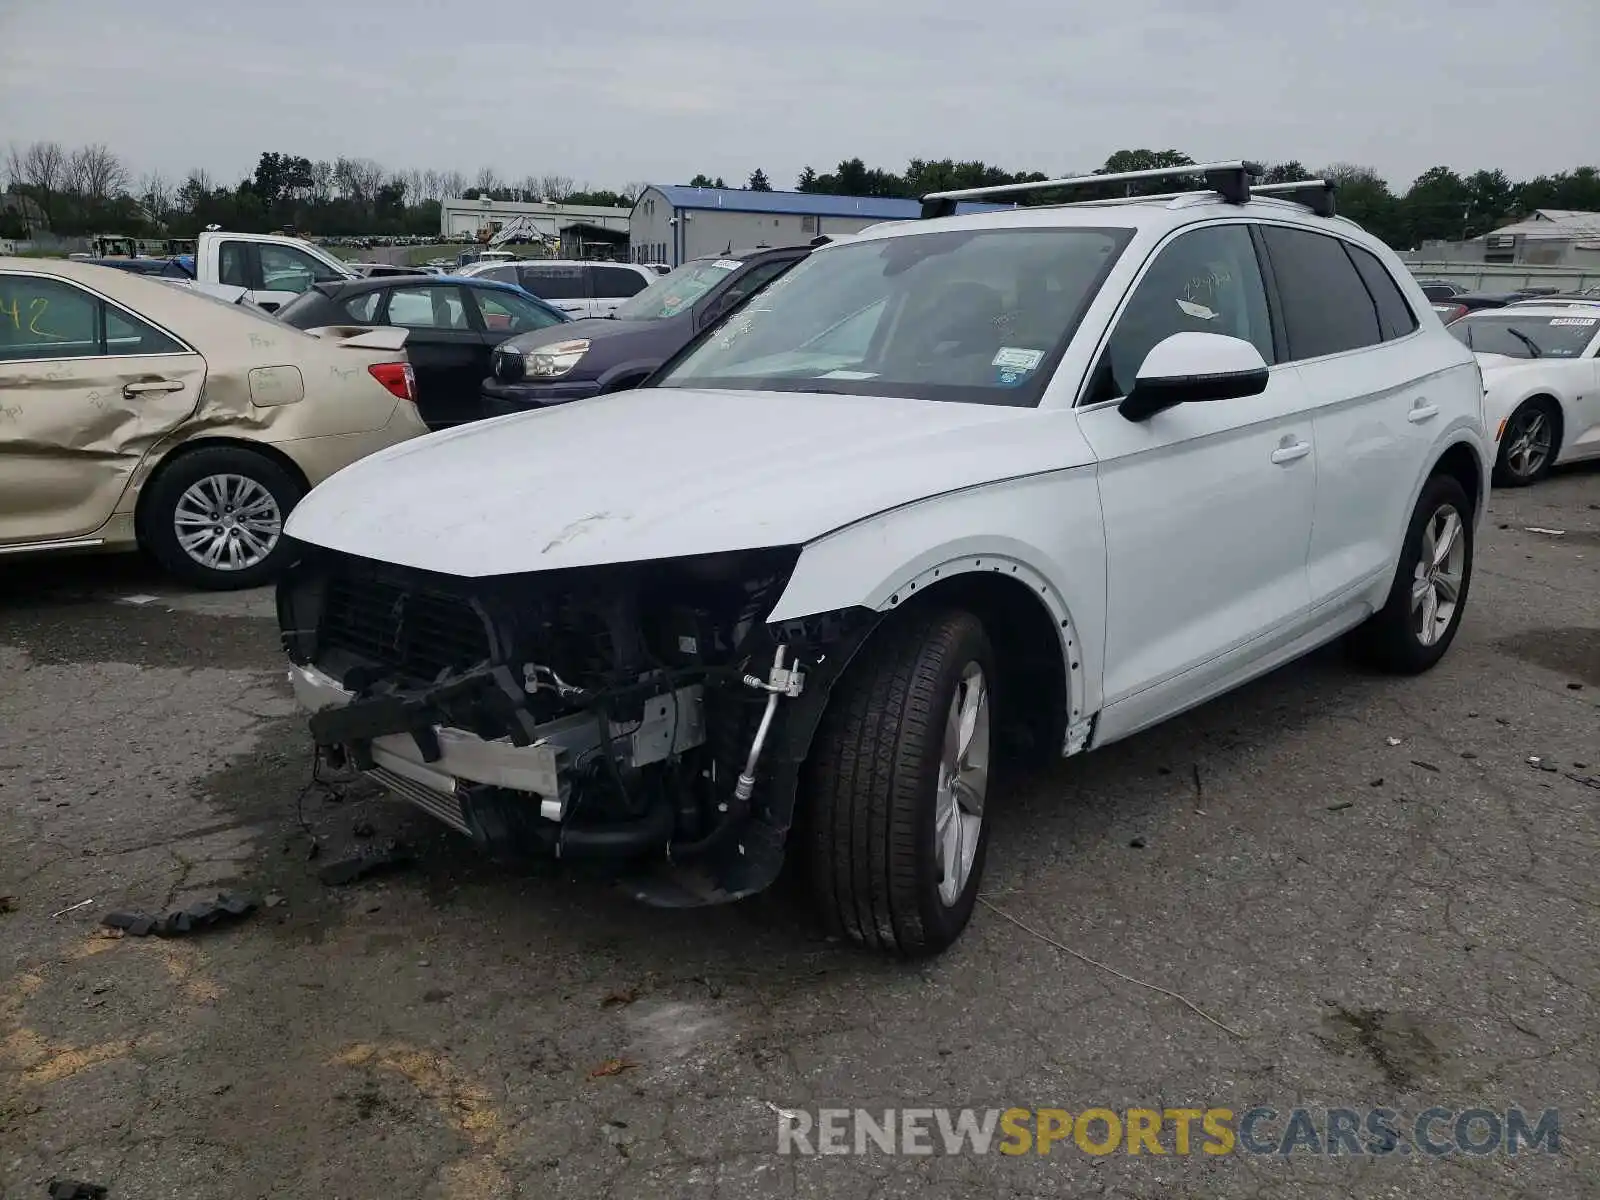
(1364, 879)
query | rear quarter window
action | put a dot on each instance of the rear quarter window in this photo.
(553, 283)
(1326, 307)
(1395, 317)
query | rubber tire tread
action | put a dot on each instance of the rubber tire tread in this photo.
(871, 780)
(1386, 641)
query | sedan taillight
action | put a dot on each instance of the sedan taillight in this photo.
(399, 378)
(1452, 312)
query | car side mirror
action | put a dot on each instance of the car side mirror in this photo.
(1190, 368)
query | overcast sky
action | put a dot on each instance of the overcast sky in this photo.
(614, 91)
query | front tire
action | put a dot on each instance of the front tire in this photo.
(1530, 443)
(898, 783)
(214, 517)
(1416, 625)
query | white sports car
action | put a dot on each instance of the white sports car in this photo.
(1541, 377)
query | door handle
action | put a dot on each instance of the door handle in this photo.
(152, 385)
(1288, 454)
(1422, 411)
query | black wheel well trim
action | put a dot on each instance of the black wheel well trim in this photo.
(981, 564)
(637, 371)
(1461, 462)
(928, 587)
(265, 449)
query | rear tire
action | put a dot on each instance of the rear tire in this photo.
(895, 848)
(1530, 444)
(1414, 628)
(214, 517)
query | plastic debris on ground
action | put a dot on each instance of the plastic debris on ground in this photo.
(226, 908)
(77, 1189)
(388, 857)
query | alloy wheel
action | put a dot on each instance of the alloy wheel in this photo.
(1528, 442)
(1437, 578)
(962, 784)
(227, 522)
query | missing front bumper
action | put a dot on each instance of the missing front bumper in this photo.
(396, 741)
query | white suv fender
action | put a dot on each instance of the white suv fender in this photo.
(1053, 551)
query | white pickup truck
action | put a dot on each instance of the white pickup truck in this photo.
(272, 268)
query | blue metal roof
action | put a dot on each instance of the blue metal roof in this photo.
(803, 204)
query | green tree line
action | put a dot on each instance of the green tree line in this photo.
(89, 190)
(1441, 204)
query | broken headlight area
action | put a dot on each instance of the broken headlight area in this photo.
(621, 713)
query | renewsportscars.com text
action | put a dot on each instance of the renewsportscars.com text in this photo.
(1434, 1132)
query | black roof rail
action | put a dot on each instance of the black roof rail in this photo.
(1231, 180)
(1315, 194)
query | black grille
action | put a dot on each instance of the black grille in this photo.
(508, 367)
(396, 624)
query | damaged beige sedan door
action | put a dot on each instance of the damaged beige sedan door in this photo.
(87, 390)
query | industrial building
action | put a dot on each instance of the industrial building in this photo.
(672, 224)
(1551, 237)
(571, 230)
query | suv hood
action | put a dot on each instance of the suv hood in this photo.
(665, 472)
(595, 329)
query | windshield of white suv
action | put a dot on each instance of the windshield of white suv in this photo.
(1524, 335)
(977, 316)
(671, 294)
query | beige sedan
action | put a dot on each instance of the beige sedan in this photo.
(139, 412)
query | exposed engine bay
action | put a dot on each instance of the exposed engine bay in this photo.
(641, 715)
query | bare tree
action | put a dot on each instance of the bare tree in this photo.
(156, 195)
(631, 190)
(358, 178)
(555, 188)
(452, 184)
(431, 185)
(97, 173)
(486, 180)
(528, 189)
(415, 187)
(322, 181)
(42, 167)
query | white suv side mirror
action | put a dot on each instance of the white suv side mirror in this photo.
(1190, 368)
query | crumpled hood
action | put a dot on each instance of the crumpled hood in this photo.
(659, 473)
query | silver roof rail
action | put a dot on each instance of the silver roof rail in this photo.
(1230, 180)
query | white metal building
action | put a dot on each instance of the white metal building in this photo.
(459, 216)
(672, 224)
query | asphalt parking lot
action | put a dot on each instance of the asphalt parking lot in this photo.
(1365, 880)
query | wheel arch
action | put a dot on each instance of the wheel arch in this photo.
(184, 449)
(1030, 622)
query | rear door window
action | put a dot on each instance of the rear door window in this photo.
(554, 283)
(364, 308)
(616, 282)
(1326, 307)
(428, 308)
(506, 313)
(44, 318)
